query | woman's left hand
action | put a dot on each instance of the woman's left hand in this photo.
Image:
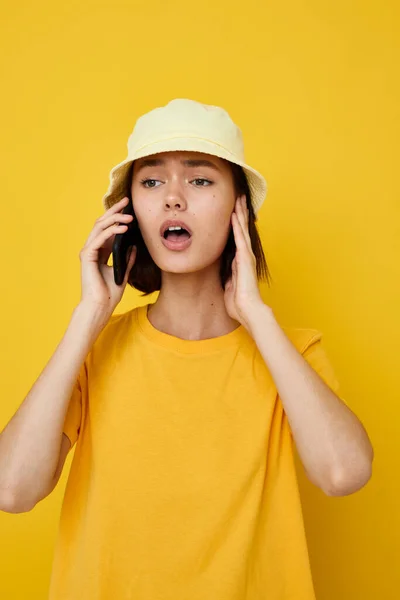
(242, 294)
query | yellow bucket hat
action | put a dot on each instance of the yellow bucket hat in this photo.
(184, 124)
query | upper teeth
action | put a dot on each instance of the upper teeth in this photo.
(172, 228)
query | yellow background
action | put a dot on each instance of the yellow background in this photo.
(315, 88)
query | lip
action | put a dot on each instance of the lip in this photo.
(178, 245)
(174, 223)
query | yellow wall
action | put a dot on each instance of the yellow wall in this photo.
(315, 89)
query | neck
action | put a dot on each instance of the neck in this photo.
(191, 307)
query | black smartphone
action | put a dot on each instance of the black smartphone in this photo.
(122, 242)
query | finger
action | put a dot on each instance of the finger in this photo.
(111, 216)
(246, 210)
(116, 217)
(243, 218)
(121, 218)
(131, 260)
(102, 243)
(105, 251)
(113, 219)
(116, 207)
(233, 277)
(229, 285)
(240, 215)
(240, 239)
(235, 273)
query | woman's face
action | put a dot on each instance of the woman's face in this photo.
(180, 185)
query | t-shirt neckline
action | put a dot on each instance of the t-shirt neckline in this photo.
(172, 342)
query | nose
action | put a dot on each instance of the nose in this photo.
(174, 197)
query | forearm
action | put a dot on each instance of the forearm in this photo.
(331, 441)
(30, 442)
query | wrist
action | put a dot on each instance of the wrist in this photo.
(91, 315)
(259, 313)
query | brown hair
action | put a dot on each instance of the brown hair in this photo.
(145, 275)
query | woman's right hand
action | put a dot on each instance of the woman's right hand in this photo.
(98, 286)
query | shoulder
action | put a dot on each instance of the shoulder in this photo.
(119, 320)
(309, 342)
(302, 338)
(117, 330)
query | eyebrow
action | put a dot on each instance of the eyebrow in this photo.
(158, 162)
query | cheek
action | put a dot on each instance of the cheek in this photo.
(145, 216)
(216, 236)
(218, 222)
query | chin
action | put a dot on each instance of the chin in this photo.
(182, 262)
(181, 265)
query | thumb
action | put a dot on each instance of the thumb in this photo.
(132, 255)
(234, 267)
(228, 285)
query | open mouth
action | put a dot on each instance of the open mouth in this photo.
(176, 235)
(177, 239)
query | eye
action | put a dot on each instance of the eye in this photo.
(151, 181)
(202, 179)
(144, 181)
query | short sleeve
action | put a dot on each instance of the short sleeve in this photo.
(316, 355)
(73, 418)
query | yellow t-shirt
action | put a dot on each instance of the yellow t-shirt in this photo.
(183, 482)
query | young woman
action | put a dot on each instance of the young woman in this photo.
(185, 411)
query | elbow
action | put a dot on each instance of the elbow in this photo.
(344, 482)
(18, 501)
(10, 503)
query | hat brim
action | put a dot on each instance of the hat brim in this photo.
(119, 186)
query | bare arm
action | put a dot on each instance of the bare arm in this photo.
(30, 443)
(332, 442)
